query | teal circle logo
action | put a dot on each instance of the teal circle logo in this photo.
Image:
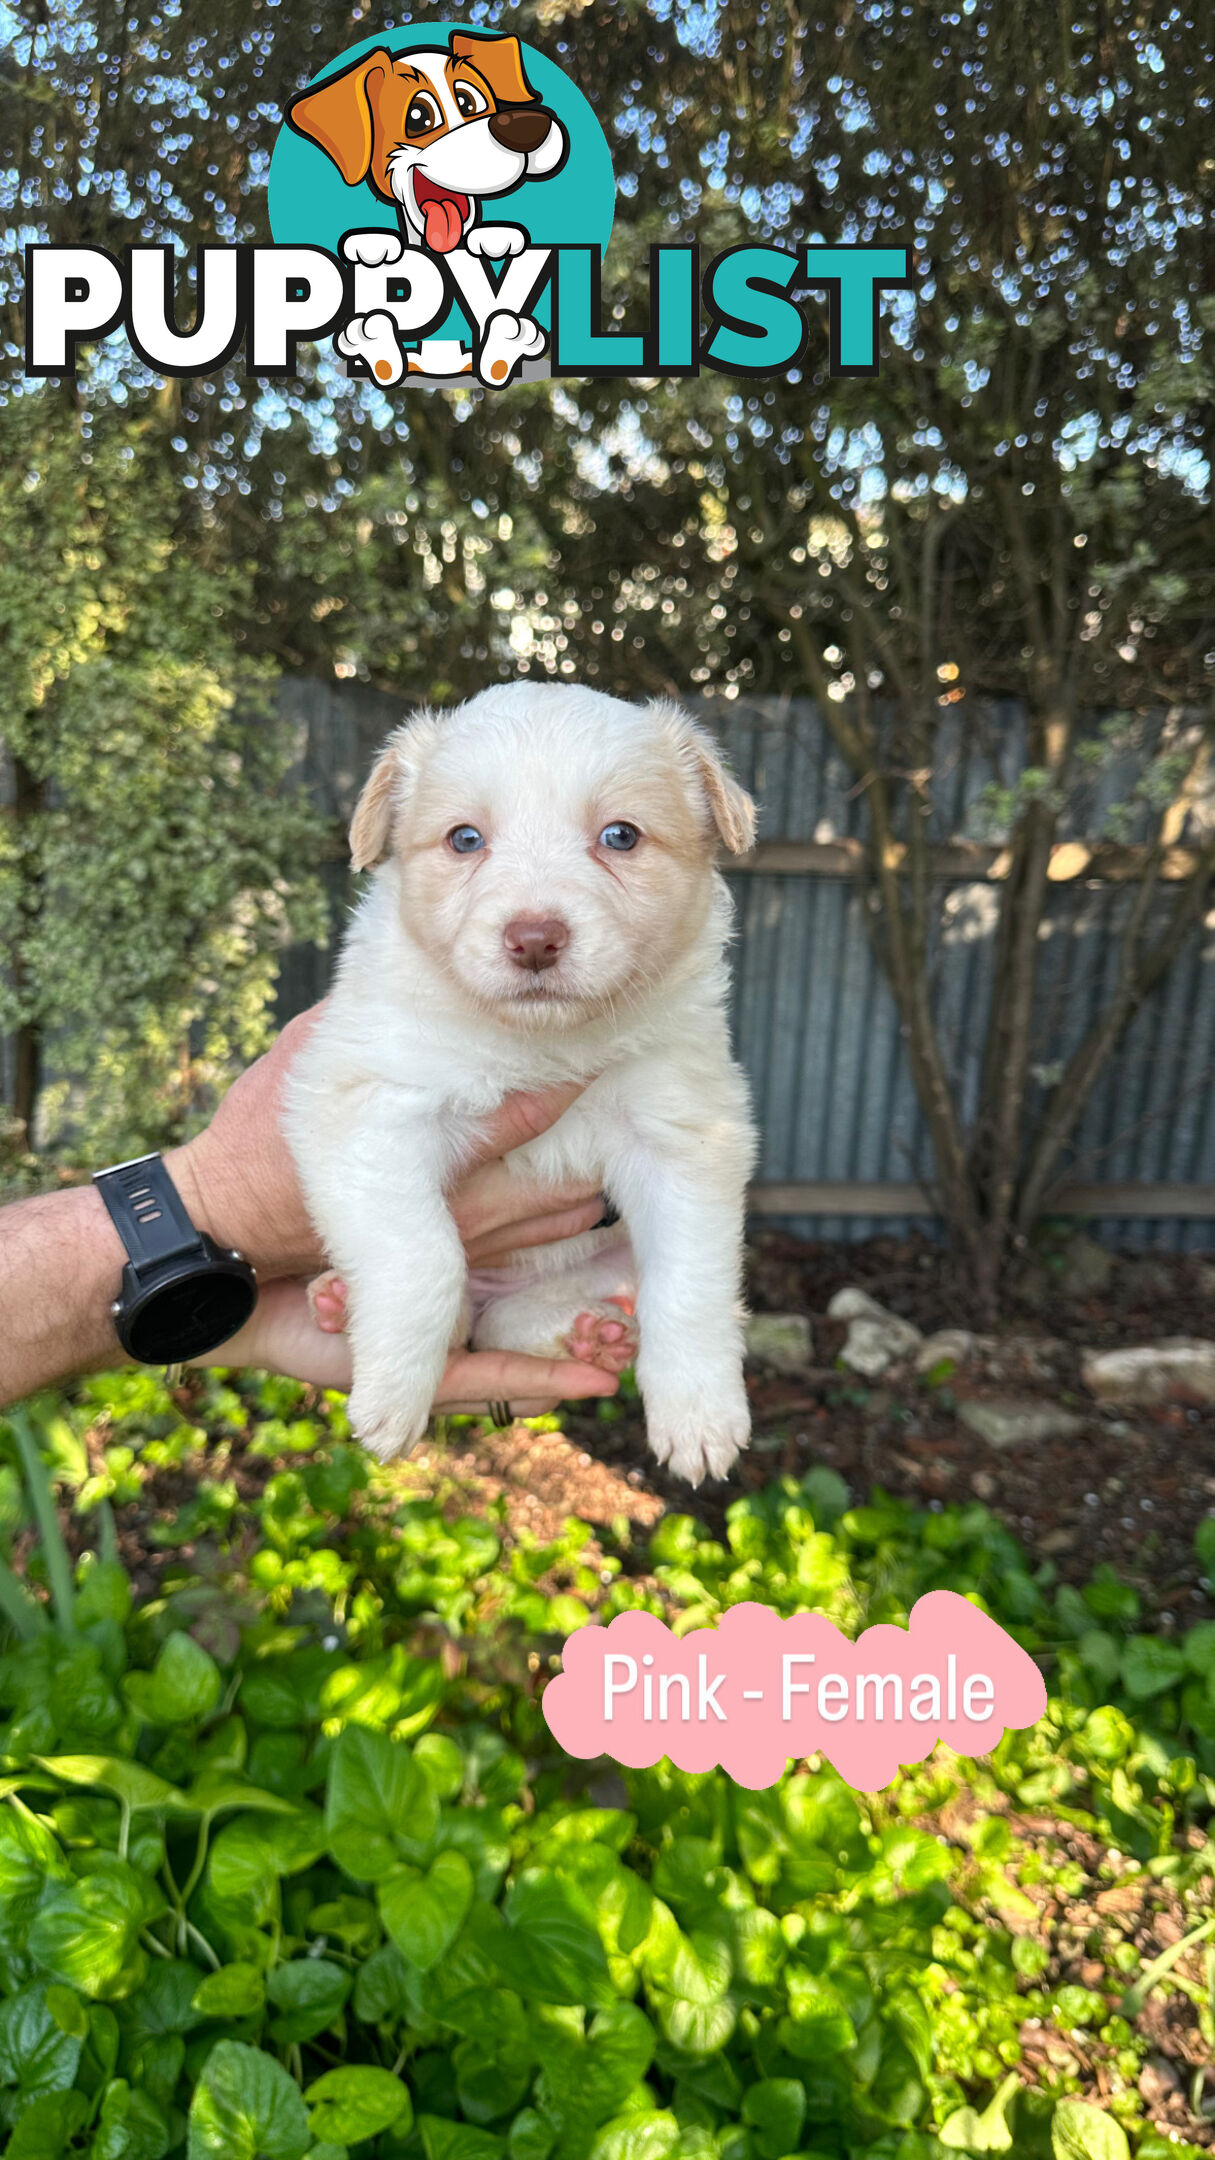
(467, 146)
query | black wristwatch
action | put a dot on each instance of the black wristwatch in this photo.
(181, 1295)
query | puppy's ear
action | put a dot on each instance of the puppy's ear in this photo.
(729, 805)
(388, 790)
(337, 115)
(371, 826)
(500, 61)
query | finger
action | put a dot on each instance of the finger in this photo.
(500, 1243)
(521, 1118)
(508, 1376)
(281, 1336)
(493, 1197)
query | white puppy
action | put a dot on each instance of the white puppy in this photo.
(544, 908)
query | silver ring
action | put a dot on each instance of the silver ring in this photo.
(500, 1413)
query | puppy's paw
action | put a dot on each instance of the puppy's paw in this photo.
(507, 343)
(494, 243)
(373, 340)
(373, 249)
(383, 1422)
(327, 1302)
(604, 1334)
(702, 1437)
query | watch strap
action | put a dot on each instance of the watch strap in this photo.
(148, 1212)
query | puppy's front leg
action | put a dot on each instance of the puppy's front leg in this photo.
(376, 1196)
(682, 1193)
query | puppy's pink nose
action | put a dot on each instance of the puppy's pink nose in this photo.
(535, 941)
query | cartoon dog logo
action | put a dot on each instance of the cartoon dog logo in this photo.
(435, 131)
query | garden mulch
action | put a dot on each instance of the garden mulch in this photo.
(1129, 1490)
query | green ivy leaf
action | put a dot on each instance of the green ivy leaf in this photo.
(445, 2140)
(358, 2102)
(36, 2054)
(1149, 1666)
(584, 2081)
(215, 1791)
(310, 1993)
(967, 2130)
(45, 2129)
(130, 2126)
(29, 1859)
(235, 1991)
(129, 1782)
(380, 1807)
(246, 2107)
(1081, 2132)
(184, 1685)
(424, 1913)
(380, 1991)
(550, 1949)
(649, 2134)
(68, 2011)
(164, 2005)
(775, 2108)
(86, 1933)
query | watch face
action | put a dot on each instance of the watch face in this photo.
(187, 1318)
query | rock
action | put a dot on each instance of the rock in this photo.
(873, 1346)
(952, 1345)
(783, 1342)
(1159, 2080)
(983, 1485)
(1010, 1422)
(1180, 1368)
(877, 1339)
(853, 1304)
(1086, 1269)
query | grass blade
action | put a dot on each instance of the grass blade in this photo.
(108, 1540)
(42, 1500)
(23, 1612)
(1135, 1997)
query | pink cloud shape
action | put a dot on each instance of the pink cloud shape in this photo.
(756, 1690)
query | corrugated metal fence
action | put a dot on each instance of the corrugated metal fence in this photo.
(844, 1149)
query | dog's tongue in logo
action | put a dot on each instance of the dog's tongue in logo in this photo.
(443, 213)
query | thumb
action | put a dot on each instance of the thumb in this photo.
(521, 1118)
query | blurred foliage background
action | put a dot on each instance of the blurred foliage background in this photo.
(1017, 505)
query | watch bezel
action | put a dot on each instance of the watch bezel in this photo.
(143, 1290)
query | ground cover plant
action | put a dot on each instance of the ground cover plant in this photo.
(289, 1864)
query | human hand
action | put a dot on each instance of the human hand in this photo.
(238, 1182)
(238, 1179)
(283, 1334)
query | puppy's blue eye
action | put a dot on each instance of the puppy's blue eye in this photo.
(620, 837)
(465, 840)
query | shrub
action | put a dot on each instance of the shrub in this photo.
(290, 1865)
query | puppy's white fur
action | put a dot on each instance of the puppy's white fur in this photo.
(430, 1024)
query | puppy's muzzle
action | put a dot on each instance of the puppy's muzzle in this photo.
(535, 942)
(523, 130)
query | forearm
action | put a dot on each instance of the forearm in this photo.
(61, 1263)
